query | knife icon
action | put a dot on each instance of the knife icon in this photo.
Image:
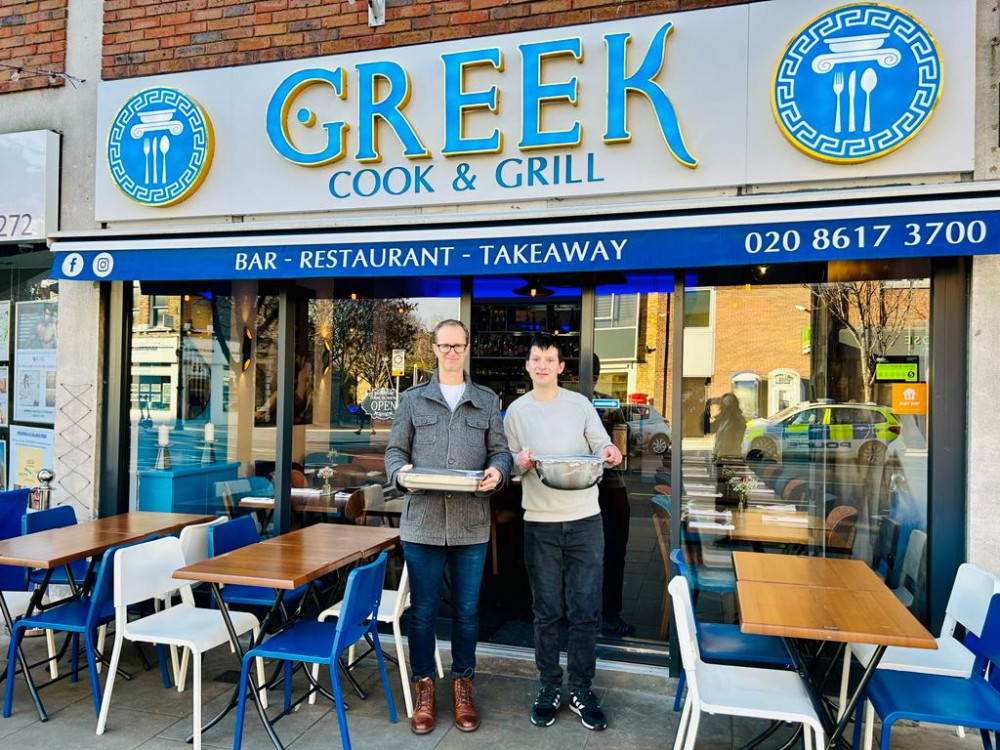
(852, 83)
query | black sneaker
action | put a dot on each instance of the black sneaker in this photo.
(584, 704)
(547, 702)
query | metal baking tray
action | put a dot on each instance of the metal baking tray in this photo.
(445, 480)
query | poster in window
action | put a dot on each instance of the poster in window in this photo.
(3, 463)
(35, 362)
(3, 396)
(4, 331)
(30, 452)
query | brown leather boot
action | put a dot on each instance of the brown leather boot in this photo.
(466, 717)
(422, 720)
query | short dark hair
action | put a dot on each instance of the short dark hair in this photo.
(451, 322)
(544, 341)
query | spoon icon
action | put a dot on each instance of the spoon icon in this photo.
(165, 146)
(869, 79)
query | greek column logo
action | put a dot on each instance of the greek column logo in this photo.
(856, 83)
(160, 147)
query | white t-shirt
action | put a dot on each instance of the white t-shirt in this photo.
(452, 393)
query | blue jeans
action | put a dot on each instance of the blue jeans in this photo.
(426, 563)
(565, 563)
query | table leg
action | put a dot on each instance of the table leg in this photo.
(9, 622)
(865, 679)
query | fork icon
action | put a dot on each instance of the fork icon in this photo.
(838, 89)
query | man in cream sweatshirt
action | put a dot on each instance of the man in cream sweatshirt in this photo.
(563, 533)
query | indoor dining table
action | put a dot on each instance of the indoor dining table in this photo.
(50, 549)
(823, 599)
(284, 563)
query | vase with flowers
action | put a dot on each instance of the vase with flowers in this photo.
(740, 487)
(326, 474)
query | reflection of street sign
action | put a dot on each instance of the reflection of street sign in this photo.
(380, 404)
(606, 403)
(399, 361)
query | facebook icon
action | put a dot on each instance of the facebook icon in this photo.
(72, 265)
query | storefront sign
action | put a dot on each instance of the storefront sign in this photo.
(29, 186)
(612, 109)
(381, 403)
(611, 245)
(909, 398)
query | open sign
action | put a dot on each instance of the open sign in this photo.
(380, 403)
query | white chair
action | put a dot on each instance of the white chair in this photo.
(194, 546)
(394, 603)
(967, 604)
(17, 603)
(144, 572)
(910, 575)
(734, 691)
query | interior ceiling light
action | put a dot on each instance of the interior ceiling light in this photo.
(533, 288)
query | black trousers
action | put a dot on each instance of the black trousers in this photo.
(615, 509)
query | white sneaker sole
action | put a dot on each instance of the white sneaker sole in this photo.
(593, 728)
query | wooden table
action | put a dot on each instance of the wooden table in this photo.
(815, 598)
(283, 563)
(55, 547)
(760, 527)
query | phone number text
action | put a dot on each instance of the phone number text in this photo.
(916, 234)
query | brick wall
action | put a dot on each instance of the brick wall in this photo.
(146, 37)
(32, 37)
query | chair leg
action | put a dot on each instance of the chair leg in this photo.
(886, 731)
(404, 676)
(261, 679)
(845, 678)
(807, 737)
(196, 689)
(350, 655)
(287, 686)
(50, 642)
(381, 668)
(116, 653)
(692, 731)
(345, 737)
(312, 690)
(74, 656)
(8, 695)
(241, 704)
(869, 725)
(682, 725)
(102, 636)
(182, 675)
(92, 662)
(437, 660)
(681, 681)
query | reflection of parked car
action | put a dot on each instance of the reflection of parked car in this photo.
(647, 428)
(853, 430)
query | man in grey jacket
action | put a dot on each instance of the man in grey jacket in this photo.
(448, 422)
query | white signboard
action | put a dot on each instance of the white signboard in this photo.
(398, 361)
(29, 185)
(685, 101)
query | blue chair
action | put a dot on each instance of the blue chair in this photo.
(722, 643)
(233, 534)
(954, 701)
(13, 505)
(53, 518)
(317, 642)
(81, 616)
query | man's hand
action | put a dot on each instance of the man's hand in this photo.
(526, 458)
(490, 480)
(612, 455)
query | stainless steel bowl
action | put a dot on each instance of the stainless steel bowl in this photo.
(569, 472)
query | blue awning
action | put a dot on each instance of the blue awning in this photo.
(969, 226)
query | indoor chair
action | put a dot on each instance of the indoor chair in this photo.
(146, 572)
(769, 694)
(911, 571)
(323, 643)
(394, 603)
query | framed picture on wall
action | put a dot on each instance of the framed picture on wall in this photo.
(30, 452)
(4, 330)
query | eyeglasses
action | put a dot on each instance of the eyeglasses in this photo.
(457, 348)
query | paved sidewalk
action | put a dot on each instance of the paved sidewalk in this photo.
(145, 715)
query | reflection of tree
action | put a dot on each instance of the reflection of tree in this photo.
(362, 334)
(874, 313)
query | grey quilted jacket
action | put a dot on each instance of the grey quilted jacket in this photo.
(428, 434)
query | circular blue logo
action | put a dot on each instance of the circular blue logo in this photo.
(856, 83)
(160, 147)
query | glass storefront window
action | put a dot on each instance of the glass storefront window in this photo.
(811, 435)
